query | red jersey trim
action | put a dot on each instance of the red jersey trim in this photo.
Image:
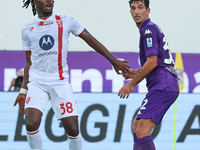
(81, 32)
(60, 35)
(44, 18)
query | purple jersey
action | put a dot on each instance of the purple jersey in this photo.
(153, 42)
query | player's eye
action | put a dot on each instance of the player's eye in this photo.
(141, 7)
(132, 8)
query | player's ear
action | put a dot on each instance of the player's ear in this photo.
(148, 11)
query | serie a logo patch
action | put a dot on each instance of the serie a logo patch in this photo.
(149, 42)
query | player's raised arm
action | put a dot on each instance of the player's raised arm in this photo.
(97, 46)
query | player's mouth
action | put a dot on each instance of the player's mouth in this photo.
(49, 7)
(137, 17)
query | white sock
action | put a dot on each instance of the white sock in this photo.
(34, 140)
(75, 143)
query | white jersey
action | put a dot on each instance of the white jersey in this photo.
(48, 42)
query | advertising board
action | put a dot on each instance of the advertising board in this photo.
(105, 123)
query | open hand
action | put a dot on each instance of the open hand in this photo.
(126, 90)
(21, 101)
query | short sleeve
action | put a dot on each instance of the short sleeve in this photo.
(26, 44)
(76, 27)
(150, 42)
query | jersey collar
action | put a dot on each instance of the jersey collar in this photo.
(144, 23)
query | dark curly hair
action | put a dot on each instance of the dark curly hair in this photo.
(26, 4)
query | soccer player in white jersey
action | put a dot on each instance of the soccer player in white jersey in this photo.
(45, 41)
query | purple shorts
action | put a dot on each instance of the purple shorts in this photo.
(156, 103)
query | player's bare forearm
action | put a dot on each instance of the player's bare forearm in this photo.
(145, 70)
(98, 47)
(26, 75)
(26, 70)
(21, 97)
(130, 74)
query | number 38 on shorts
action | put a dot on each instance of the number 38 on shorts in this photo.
(66, 108)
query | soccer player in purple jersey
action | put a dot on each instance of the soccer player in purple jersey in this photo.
(157, 66)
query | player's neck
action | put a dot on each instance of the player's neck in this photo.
(44, 15)
(139, 25)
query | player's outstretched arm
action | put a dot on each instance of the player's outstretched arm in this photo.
(22, 94)
(98, 47)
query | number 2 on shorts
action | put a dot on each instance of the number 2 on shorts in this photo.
(145, 102)
(66, 107)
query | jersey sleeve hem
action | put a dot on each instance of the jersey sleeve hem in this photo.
(81, 32)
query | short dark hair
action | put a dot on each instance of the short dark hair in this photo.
(146, 2)
(26, 4)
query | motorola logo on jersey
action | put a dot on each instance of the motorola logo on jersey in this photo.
(46, 42)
